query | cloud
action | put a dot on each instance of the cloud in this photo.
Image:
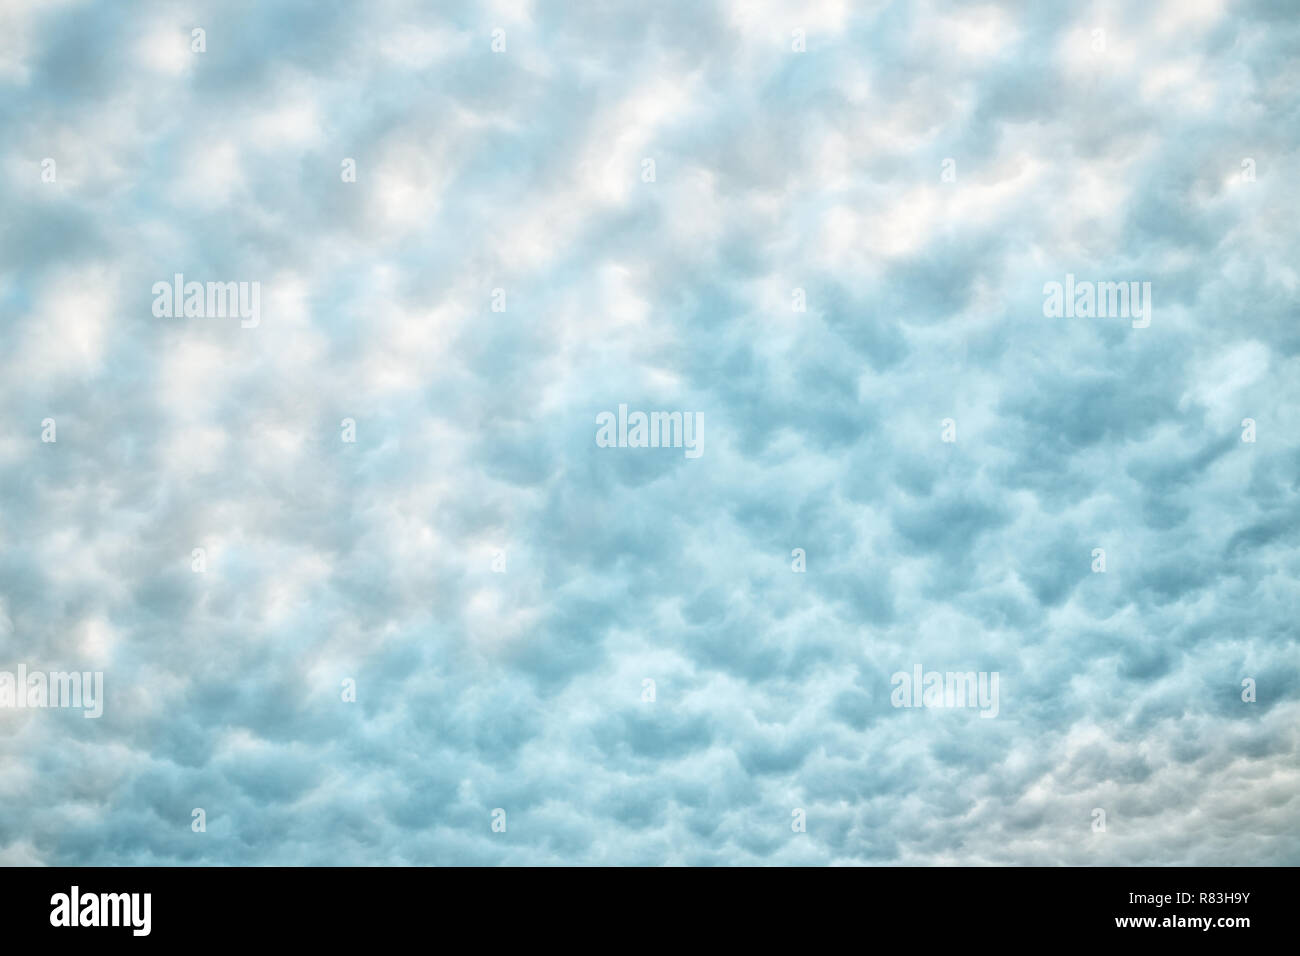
(800, 272)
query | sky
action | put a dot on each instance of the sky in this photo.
(363, 582)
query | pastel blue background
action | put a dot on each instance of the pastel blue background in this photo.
(775, 170)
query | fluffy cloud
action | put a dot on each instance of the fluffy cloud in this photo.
(498, 586)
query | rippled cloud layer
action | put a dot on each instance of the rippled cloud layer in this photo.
(366, 583)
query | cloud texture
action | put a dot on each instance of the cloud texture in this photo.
(775, 170)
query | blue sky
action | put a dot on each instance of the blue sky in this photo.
(497, 585)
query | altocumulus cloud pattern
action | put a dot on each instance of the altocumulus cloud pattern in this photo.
(330, 337)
